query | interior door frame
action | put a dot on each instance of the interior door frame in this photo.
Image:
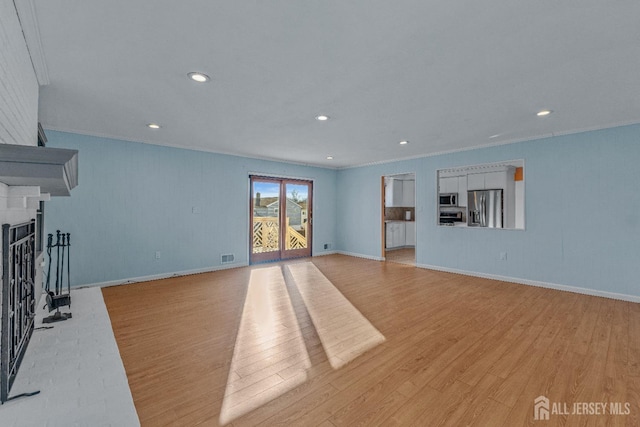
(282, 253)
(383, 231)
(383, 227)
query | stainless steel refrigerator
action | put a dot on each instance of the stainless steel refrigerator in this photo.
(485, 208)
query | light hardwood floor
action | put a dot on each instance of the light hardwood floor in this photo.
(337, 340)
(401, 256)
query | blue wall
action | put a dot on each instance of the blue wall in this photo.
(135, 199)
(582, 207)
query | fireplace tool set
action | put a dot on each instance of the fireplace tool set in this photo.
(60, 296)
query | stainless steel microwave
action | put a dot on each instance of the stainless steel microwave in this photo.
(448, 199)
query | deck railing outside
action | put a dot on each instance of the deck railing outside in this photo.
(266, 232)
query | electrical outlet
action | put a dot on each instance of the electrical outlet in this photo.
(195, 210)
(327, 246)
(503, 256)
(157, 254)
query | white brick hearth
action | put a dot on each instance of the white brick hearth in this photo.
(78, 370)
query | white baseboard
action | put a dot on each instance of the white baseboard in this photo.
(161, 276)
(574, 289)
(566, 288)
(178, 274)
(175, 274)
(323, 253)
(374, 258)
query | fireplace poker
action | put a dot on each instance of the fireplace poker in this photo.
(49, 246)
(57, 262)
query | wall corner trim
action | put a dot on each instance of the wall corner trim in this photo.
(519, 281)
(374, 258)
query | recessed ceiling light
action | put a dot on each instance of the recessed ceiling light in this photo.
(322, 118)
(329, 157)
(198, 77)
(404, 142)
(153, 126)
(543, 113)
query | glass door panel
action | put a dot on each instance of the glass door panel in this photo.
(265, 214)
(280, 219)
(297, 241)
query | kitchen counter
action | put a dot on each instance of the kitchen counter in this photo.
(398, 220)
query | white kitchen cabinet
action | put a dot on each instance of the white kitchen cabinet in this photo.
(448, 185)
(410, 233)
(395, 234)
(489, 180)
(388, 241)
(400, 234)
(475, 181)
(399, 193)
(495, 180)
(408, 194)
(393, 193)
(388, 192)
(462, 191)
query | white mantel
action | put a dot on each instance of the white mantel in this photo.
(19, 203)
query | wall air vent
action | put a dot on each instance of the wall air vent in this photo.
(227, 258)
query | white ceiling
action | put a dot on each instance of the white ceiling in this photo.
(445, 75)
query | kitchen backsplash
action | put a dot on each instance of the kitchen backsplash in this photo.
(398, 214)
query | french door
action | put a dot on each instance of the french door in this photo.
(281, 218)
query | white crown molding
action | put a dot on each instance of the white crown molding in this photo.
(538, 137)
(30, 29)
(182, 147)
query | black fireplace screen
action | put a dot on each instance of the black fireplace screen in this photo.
(18, 299)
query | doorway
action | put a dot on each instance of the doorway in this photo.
(281, 218)
(399, 218)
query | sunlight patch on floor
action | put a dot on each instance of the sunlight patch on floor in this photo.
(344, 332)
(269, 340)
